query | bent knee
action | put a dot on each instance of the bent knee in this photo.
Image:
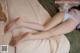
(63, 43)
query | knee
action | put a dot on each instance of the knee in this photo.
(63, 43)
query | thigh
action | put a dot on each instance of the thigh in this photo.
(33, 46)
(62, 44)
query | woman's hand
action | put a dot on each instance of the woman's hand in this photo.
(15, 40)
(28, 25)
(10, 24)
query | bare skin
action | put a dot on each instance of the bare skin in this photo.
(10, 24)
(54, 21)
(63, 28)
(16, 39)
(68, 26)
(57, 19)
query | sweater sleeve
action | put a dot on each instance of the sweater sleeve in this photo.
(66, 16)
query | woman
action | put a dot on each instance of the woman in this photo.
(33, 22)
(36, 15)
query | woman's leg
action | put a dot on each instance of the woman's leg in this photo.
(33, 46)
(63, 45)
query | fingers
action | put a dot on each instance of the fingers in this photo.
(15, 40)
(12, 42)
(10, 24)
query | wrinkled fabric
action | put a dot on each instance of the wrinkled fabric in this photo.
(30, 12)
